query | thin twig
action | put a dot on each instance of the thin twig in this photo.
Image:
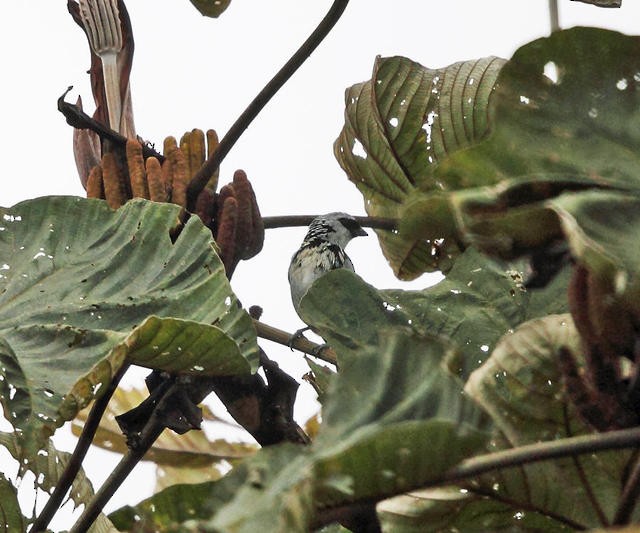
(299, 343)
(595, 504)
(152, 430)
(80, 451)
(629, 496)
(554, 16)
(212, 164)
(290, 221)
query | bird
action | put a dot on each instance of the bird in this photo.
(321, 251)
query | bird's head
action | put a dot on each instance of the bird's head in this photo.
(336, 228)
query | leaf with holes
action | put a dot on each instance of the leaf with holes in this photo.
(78, 282)
(10, 512)
(398, 126)
(565, 122)
(522, 389)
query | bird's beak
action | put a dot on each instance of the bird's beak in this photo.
(360, 233)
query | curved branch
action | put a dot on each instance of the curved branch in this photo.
(629, 496)
(80, 451)
(212, 164)
(290, 221)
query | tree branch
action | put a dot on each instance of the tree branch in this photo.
(554, 17)
(290, 221)
(80, 451)
(582, 474)
(299, 343)
(629, 496)
(212, 164)
(148, 436)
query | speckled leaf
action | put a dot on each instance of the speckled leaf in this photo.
(76, 279)
(11, 518)
(520, 386)
(183, 347)
(169, 507)
(455, 509)
(211, 8)
(392, 396)
(394, 418)
(48, 466)
(269, 492)
(479, 301)
(565, 119)
(398, 126)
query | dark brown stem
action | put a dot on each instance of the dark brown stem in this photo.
(77, 118)
(290, 221)
(212, 164)
(148, 436)
(629, 497)
(77, 457)
(299, 343)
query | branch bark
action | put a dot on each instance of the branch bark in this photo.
(77, 457)
(290, 221)
(299, 343)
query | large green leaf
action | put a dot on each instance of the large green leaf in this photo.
(398, 126)
(474, 306)
(394, 418)
(78, 284)
(395, 406)
(566, 118)
(521, 387)
(479, 301)
(563, 117)
(269, 492)
(392, 397)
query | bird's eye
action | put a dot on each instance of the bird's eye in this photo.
(351, 225)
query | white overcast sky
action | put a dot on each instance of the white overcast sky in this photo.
(194, 72)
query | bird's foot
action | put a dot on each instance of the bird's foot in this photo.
(319, 349)
(297, 335)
